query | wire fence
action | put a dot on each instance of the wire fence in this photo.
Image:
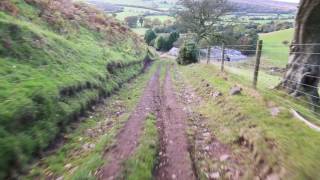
(266, 75)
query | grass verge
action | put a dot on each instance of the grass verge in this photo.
(280, 145)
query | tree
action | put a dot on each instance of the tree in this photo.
(149, 36)
(141, 21)
(303, 72)
(131, 21)
(201, 16)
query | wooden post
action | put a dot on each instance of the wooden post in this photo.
(257, 65)
(199, 56)
(222, 58)
(208, 54)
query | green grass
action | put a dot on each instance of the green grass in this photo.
(266, 84)
(294, 145)
(142, 162)
(274, 51)
(49, 78)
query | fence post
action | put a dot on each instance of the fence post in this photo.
(222, 58)
(208, 54)
(257, 65)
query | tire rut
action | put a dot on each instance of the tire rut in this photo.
(127, 138)
(174, 155)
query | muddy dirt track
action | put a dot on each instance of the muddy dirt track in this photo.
(174, 157)
(127, 139)
(175, 161)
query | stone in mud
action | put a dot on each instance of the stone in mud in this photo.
(88, 146)
(207, 148)
(91, 146)
(215, 175)
(90, 133)
(68, 166)
(216, 94)
(274, 111)
(236, 90)
(206, 134)
(60, 178)
(273, 177)
(224, 157)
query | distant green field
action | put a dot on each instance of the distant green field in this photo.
(140, 31)
(274, 51)
(129, 11)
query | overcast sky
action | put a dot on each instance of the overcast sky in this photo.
(296, 1)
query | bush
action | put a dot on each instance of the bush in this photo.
(188, 53)
(159, 43)
(149, 36)
(166, 43)
(174, 36)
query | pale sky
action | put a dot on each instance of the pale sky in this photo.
(295, 1)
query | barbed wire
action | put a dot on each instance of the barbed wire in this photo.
(307, 94)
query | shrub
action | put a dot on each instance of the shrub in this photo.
(173, 37)
(163, 43)
(188, 53)
(159, 43)
(149, 36)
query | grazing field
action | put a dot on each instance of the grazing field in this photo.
(274, 51)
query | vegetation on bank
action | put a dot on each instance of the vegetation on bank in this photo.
(57, 59)
(279, 144)
(82, 153)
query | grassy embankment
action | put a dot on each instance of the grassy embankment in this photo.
(55, 63)
(74, 160)
(279, 144)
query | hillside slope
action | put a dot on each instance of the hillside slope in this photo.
(56, 60)
(274, 51)
(265, 6)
